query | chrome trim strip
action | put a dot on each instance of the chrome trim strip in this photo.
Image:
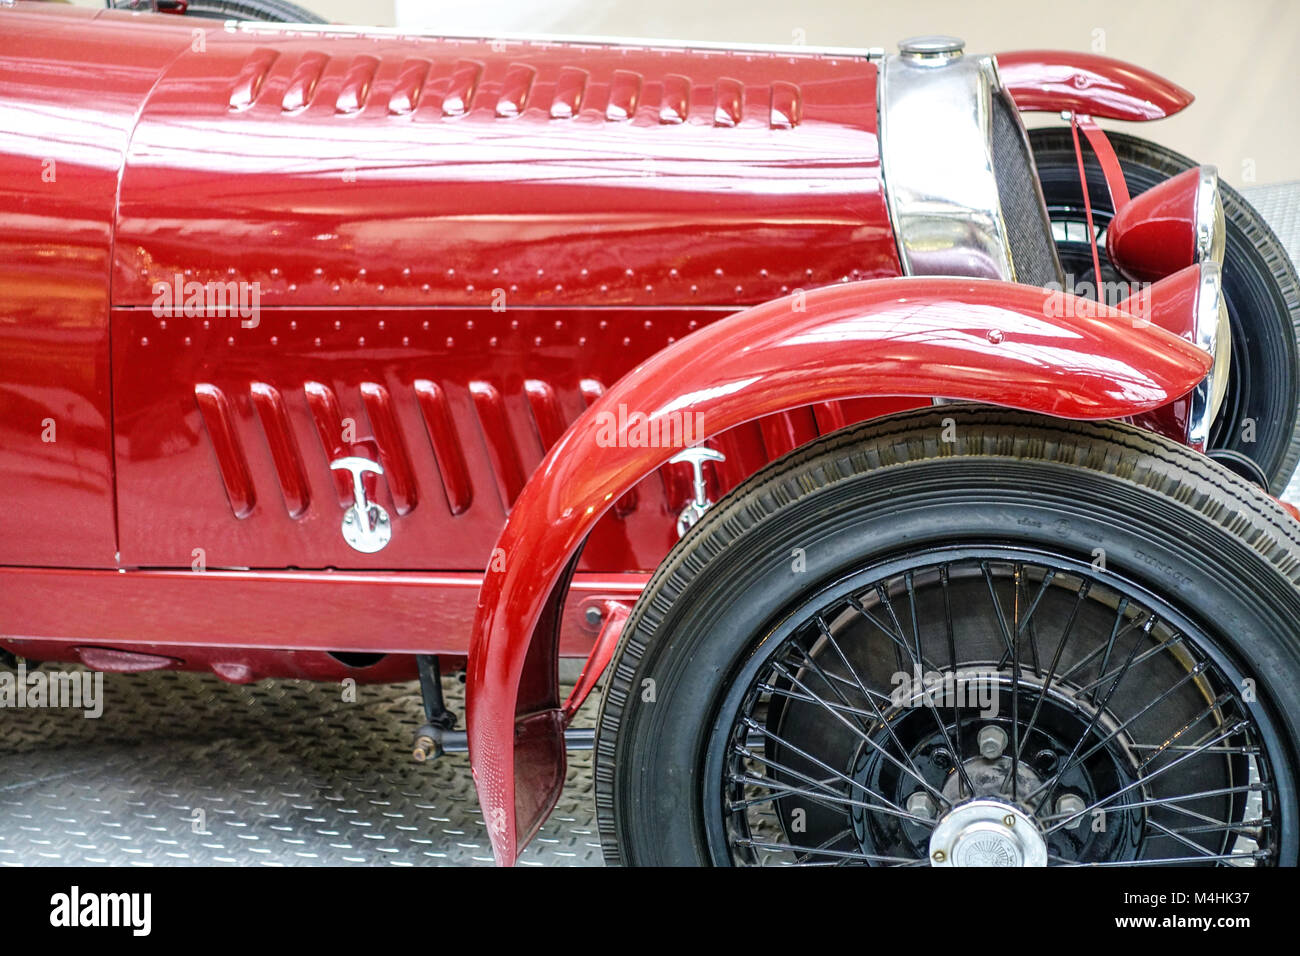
(323, 29)
(1213, 333)
(936, 156)
(1211, 233)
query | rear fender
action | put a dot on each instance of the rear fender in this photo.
(974, 339)
(1054, 81)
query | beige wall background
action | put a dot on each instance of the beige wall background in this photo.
(1240, 58)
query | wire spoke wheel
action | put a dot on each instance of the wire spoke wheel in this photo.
(907, 718)
(965, 636)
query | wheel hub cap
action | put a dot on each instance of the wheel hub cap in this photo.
(987, 833)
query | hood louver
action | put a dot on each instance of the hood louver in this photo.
(508, 89)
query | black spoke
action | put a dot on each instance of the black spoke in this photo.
(781, 792)
(1163, 830)
(1051, 784)
(824, 794)
(811, 663)
(1068, 676)
(1170, 802)
(1109, 695)
(826, 632)
(961, 769)
(895, 636)
(1209, 709)
(757, 728)
(1163, 861)
(1146, 655)
(951, 637)
(1056, 658)
(1141, 781)
(1151, 705)
(1248, 828)
(810, 699)
(859, 730)
(842, 854)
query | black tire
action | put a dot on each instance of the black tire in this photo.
(1260, 284)
(1217, 556)
(267, 11)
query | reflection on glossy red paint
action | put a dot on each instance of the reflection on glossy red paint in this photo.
(1154, 234)
(1060, 80)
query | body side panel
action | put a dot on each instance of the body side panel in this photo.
(455, 245)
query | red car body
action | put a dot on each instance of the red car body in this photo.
(459, 247)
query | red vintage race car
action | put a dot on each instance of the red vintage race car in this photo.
(904, 475)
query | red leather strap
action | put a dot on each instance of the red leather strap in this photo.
(1087, 205)
(1110, 166)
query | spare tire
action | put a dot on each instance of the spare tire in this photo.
(1258, 418)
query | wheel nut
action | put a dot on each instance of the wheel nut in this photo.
(921, 804)
(423, 747)
(1067, 805)
(992, 741)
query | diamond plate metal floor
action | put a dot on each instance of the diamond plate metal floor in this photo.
(184, 769)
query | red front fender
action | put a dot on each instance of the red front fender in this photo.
(973, 339)
(1056, 80)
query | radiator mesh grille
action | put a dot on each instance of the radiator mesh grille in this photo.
(1033, 252)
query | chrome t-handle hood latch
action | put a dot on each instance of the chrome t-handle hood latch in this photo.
(366, 527)
(696, 507)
